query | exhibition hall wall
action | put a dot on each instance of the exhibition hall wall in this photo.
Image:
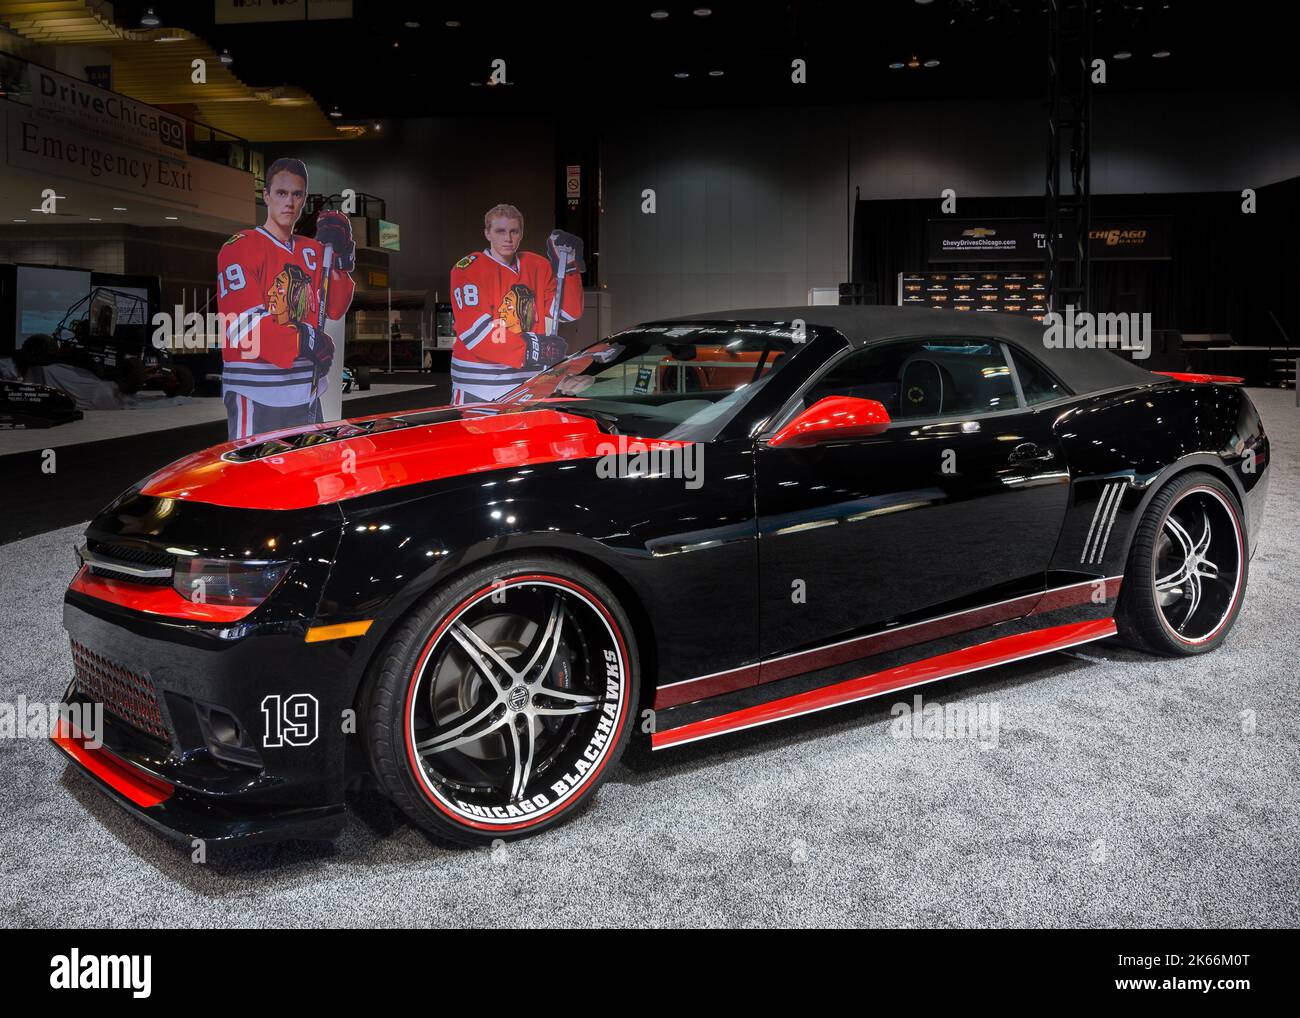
(756, 206)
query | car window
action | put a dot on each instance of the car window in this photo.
(924, 378)
(1037, 384)
(667, 381)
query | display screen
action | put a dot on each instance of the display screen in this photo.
(44, 297)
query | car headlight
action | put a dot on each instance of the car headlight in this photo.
(240, 582)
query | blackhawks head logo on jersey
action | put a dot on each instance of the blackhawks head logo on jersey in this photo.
(290, 298)
(518, 309)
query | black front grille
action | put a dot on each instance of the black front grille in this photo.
(131, 555)
(125, 694)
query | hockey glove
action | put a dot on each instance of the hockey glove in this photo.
(570, 244)
(541, 351)
(317, 347)
(335, 228)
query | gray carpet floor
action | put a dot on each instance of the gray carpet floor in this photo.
(1123, 791)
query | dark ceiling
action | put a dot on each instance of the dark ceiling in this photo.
(578, 60)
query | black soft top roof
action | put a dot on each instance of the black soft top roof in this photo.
(1081, 370)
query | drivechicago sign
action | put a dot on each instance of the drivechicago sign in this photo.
(56, 98)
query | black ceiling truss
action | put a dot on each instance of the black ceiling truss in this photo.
(1069, 210)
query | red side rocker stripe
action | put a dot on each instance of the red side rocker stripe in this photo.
(958, 662)
(142, 789)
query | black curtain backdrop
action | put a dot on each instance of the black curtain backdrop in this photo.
(1228, 272)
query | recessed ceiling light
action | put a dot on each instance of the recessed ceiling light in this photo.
(168, 38)
(171, 217)
(1160, 54)
(1122, 54)
(336, 113)
(702, 12)
(411, 24)
(119, 208)
(452, 24)
(925, 3)
(20, 220)
(96, 219)
(932, 63)
(149, 19)
(897, 65)
(716, 74)
(659, 15)
(378, 126)
(682, 74)
(226, 58)
(914, 63)
(396, 44)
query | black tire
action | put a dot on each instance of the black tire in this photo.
(184, 380)
(130, 375)
(362, 376)
(568, 725)
(1165, 608)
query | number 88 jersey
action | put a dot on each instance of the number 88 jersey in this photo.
(495, 306)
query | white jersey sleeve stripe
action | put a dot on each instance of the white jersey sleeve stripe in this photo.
(240, 327)
(476, 331)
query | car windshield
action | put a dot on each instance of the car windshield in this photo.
(681, 382)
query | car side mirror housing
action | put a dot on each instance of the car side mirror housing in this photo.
(833, 419)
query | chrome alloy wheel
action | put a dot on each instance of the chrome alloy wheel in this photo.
(1199, 559)
(516, 701)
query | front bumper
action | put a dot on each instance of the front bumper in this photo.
(247, 778)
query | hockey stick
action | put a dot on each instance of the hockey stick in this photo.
(327, 263)
(559, 293)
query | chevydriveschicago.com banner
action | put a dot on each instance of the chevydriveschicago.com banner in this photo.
(1025, 240)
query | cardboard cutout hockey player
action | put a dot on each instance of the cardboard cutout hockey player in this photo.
(277, 357)
(508, 304)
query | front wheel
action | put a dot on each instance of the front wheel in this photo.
(1187, 569)
(497, 706)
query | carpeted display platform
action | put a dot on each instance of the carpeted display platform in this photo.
(1124, 790)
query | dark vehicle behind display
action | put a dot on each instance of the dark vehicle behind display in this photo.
(687, 530)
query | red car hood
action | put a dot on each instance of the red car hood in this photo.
(347, 467)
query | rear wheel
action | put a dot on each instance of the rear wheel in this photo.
(1187, 568)
(496, 708)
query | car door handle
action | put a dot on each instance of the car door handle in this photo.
(1030, 452)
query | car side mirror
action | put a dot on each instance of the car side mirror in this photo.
(833, 419)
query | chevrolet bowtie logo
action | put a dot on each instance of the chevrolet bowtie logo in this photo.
(979, 231)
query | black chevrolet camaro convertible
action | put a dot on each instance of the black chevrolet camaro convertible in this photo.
(689, 529)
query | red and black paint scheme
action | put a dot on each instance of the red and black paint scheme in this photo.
(236, 721)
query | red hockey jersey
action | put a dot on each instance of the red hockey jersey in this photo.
(494, 305)
(260, 283)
